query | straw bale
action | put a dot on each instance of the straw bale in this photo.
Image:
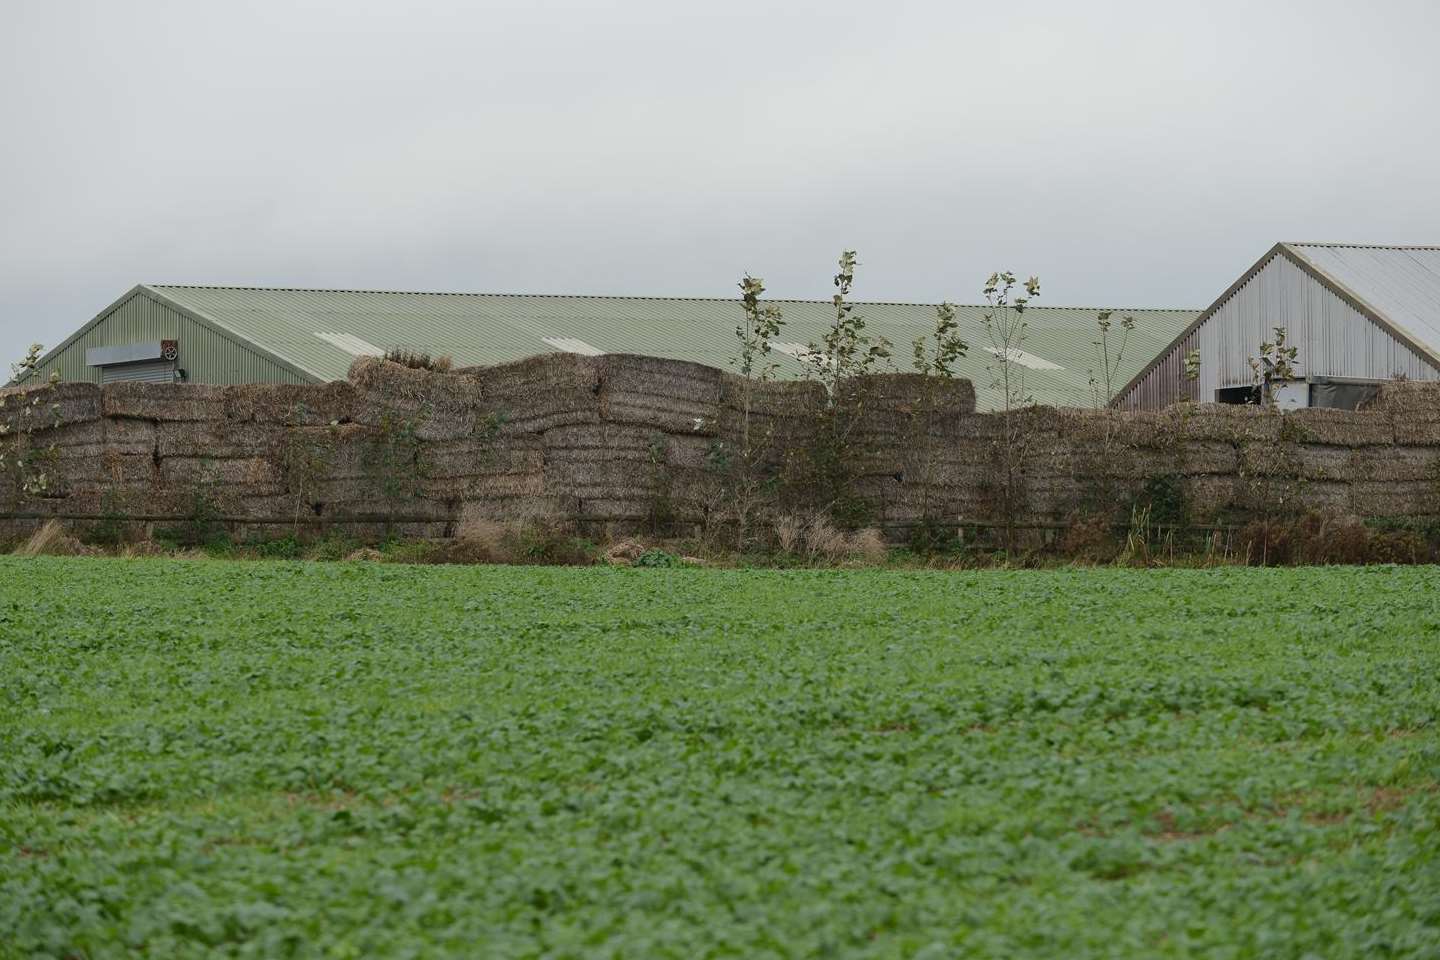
(247, 472)
(102, 464)
(74, 434)
(1348, 428)
(163, 401)
(673, 395)
(604, 441)
(436, 406)
(909, 393)
(690, 452)
(1394, 463)
(1269, 459)
(481, 456)
(518, 484)
(1229, 422)
(1408, 397)
(1319, 462)
(221, 439)
(1207, 496)
(1419, 426)
(51, 404)
(341, 489)
(541, 392)
(129, 437)
(295, 404)
(1390, 498)
(1325, 496)
(615, 508)
(1207, 456)
(782, 413)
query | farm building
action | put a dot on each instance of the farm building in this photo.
(1358, 315)
(228, 335)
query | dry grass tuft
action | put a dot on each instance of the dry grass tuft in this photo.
(418, 360)
(815, 539)
(365, 555)
(868, 546)
(51, 540)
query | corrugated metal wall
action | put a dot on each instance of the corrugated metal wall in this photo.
(206, 355)
(1334, 340)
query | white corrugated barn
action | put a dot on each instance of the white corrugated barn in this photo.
(1358, 315)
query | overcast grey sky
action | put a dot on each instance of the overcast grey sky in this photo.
(1130, 153)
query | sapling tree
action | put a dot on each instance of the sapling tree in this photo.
(934, 358)
(1276, 364)
(1192, 369)
(1110, 353)
(27, 364)
(759, 325)
(840, 361)
(1006, 329)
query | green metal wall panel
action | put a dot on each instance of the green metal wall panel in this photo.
(206, 355)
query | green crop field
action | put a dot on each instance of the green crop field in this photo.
(202, 758)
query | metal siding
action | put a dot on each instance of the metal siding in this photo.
(483, 329)
(206, 355)
(1402, 284)
(154, 371)
(1333, 338)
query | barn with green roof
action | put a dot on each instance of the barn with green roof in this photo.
(229, 335)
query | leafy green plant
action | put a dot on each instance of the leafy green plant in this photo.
(842, 361)
(934, 359)
(1109, 355)
(746, 483)
(1007, 330)
(1276, 364)
(26, 365)
(657, 558)
(386, 760)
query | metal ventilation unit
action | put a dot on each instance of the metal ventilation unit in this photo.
(149, 362)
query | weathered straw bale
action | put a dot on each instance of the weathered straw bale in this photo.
(782, 413)
(1206, 456)
(1109, 428)
(429, 405)
(1229, 422)
(1389, 498)
(672, 395)
(50, 405)
(129, 437)
(293, 404)
(218, 439)
(539, 393)
(613, 509)
(496, 485)
(1407, 396)
(1395, 463)
(1348, 428)
(1209, 496)
(477, 456)
(247, 472)
(101, 464)
(1269, 459)
(163, 401)
(88, 433)
(1319, 462)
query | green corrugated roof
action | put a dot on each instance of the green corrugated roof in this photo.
(495, 328)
